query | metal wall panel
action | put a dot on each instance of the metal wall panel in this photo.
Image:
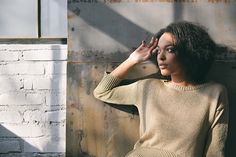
(53, 18)
(16, 22)
(101, 35)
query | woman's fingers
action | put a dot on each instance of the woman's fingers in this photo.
(154, 45)
(141, 45)
(151, 42)
(148, 49)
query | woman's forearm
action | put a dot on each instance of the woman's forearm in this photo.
(122, 70)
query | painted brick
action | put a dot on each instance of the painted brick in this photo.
(7, 146)
(56, 116)
(22, 68)
(57, 82)
(10, 84)
(23, 130)
(8, 56)
(20, 99)
(44, 116)
(33, 116)
(28, 83)
(55, 99)
(34, 98)
(58, 131)
(33, 47)
(44, 144)
(35, 154)
(31, 98)
(55, 53)
(53, 68)
(10, 117)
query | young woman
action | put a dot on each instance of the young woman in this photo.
(186, 116)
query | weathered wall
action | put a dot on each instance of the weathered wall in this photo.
(101, 35)
(32, 100)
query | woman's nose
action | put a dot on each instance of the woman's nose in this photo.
(161, 56)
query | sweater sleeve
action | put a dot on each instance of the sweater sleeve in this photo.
(215, 145)
(109, 91)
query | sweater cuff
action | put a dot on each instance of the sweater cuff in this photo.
(109, 81)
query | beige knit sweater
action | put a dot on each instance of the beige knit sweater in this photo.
(175, 121)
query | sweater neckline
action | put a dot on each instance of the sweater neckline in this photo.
(184, 88)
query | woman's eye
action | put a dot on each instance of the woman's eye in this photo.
(170, 50)
(158, 51)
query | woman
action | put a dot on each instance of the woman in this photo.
(186, 116)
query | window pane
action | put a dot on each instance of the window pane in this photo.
(18, 19)
(54, 18)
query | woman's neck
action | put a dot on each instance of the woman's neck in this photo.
(180, 80)
(183, 83)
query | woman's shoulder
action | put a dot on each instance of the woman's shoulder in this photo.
(216, 86)
(215, 89)
(151, 81)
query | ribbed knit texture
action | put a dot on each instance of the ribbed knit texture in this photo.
(175, 121)
(150, 152)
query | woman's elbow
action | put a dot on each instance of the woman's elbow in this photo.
(96, 94)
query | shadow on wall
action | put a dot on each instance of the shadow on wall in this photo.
(224, 72)
(57, 117)
(12, 144)
(24, 129)
(12, 136)
(105, 18)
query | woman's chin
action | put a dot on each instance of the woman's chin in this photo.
(165, 73)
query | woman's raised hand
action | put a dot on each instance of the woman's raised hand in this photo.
(141, 54)
(144, 51)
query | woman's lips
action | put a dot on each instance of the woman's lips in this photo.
(162, 66)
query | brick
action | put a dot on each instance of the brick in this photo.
(53, 68)
(8, 56)
(55, 99)
(7, 146)
(57, 131)
(22, 68)
(28, 83)
(20, 99)
(56, 116)
(52, 54)
(57, 82)
(33, 115)
(44, 144)
(10, 117)
(32, 47)
(34, 98)
(59, 154)
(23, 130)
(39, 68)
(35, 154)
(10, 84)
(44, 116)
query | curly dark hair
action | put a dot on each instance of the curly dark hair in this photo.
(194, 47)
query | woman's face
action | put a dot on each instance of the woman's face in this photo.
(166, 56)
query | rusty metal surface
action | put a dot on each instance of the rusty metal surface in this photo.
(101, 35)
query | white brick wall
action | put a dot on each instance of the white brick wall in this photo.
(10, 146)
(32, 99)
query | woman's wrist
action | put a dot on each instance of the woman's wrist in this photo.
(132, 60)
(122, 70)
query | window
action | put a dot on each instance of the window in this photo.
(33, 19)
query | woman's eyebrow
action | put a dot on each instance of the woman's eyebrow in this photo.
(167, 45)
